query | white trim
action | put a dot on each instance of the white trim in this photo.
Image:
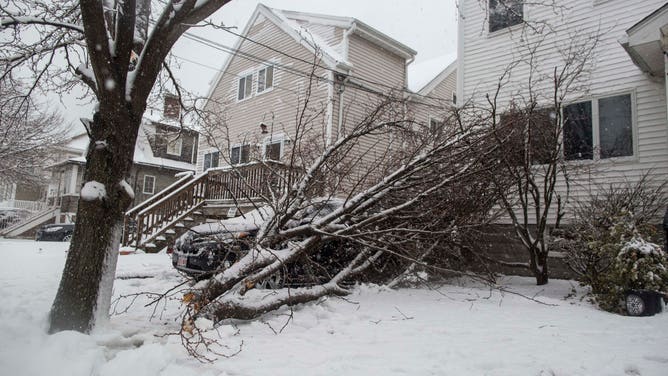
(460, 56)
(143, 187)
(330, 108)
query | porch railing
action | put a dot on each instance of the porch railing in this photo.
(248, 183)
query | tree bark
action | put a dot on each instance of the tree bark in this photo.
(85, 288)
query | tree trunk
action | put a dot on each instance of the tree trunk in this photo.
(539, 266)
(84, 294)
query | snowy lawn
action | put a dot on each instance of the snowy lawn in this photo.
(458, 330)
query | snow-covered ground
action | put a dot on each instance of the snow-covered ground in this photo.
(457, 330)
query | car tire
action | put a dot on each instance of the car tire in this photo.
(643, 303)
(635, 304)
(67, 238)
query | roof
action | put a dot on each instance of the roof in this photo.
(143, 152)
(296, 25)
(424, 76)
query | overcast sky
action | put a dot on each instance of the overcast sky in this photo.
(427, 26)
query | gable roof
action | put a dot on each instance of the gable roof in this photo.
(295, 24)
(423, 77)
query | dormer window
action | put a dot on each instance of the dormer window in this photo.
(245, 87)
(265, 79)
(174, 146)
(505, 13)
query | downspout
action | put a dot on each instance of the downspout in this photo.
(330, 108)
(343, 79)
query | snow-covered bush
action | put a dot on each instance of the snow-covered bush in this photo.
(639, 265)
(614, 218)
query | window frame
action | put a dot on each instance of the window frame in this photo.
(595, 126)
(502, 30)
(211, 153)
(280, 139)
(262, 72)
(245, 76)
(178, 141)
(152, 184)
(240, 147)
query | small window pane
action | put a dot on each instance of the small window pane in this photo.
(578, 139)
(215, 159)
(260, 80)
(149, 184)
(269, 81)
(249, 85)
(505, 13)
(207, 161)
(174, 146)
(273, 151)
(615, 126)
(245, 154)
(242, 85)
(235, 154)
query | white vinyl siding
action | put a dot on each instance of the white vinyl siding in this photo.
(482, 62)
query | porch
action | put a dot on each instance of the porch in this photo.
(193, 199)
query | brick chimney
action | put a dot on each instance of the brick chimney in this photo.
(172, 108)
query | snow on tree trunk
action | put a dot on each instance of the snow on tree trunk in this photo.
(85, 289)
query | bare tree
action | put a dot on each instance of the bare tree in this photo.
(110, 47)
(28, 136)
(527, 119)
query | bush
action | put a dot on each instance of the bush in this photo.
(639, 265)
(615, 218)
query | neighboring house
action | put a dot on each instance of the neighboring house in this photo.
(434, 83)
(260, 88)
(163, 149)
(616, 125)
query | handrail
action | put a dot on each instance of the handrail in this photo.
(174, 186)
(249, 182)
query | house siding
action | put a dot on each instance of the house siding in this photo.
(277, 108)
(372, 66)
(484, 56)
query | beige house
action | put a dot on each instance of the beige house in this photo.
(296, 82)
(345, 64)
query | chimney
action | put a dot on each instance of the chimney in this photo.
(172, 108)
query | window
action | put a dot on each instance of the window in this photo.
(174, 145)
(149, 184)
(240, 154)
(272, 151)
(265, 79)
(530, 130)
(604, 125)
(245, 87)
(505, 13)
(211, 160)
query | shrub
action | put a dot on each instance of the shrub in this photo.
(615, 218)
(639, 265)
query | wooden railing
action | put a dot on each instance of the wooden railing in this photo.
(249, 183)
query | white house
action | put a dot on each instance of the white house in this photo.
(616, 122)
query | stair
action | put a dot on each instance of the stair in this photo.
(214, 194)
(31, 222)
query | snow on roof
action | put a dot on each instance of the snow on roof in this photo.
(78, 142)
(144, 153)
(420, 74)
